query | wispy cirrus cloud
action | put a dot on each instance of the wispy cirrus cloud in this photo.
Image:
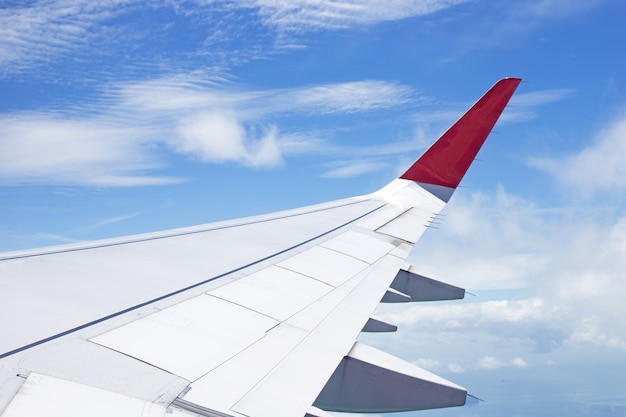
(348, 169)
(349, 97)
(600, 167)
(556, 9)
(366, 159)
(121, 139)
(303, 15)
(112, 220)
(524, 106)
(48, 149)
(43, 30)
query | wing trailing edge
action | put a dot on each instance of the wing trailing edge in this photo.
(440, 169)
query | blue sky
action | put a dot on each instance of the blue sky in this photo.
(122, 117)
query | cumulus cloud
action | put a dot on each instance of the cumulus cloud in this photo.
(477, 315)
(473, 235)
(455, 368)
(426, 363)
(569, 261)
(218, 137)
(491, 363)
(436, 366)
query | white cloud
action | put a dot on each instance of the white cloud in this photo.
(455, 368)
(214, 136)
(37, 148)
(557, 9)
(491, 363)
(569, 261)
(430, 364)
(122, 139)
(350, 169)
(541, 97)
(351, 97)
(475, 315)
(218, 137)
(473, 234)
(111, 220)
(48, 237)
(43, 30)
(522, 107)
(519, 363)
(184, 92)
(598, 168)
(590, 332)
(305, 15)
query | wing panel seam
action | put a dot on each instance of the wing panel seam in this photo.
(173, 293)
(191, 232)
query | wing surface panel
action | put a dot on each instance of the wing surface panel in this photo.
(360, 246)
(176, 339)
(82, 286)
(325, 265)
(329, 341)
(274, 292)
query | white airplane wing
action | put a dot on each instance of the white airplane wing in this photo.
(253, 317)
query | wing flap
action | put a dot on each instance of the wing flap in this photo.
(377, 325)
(226, 385)
(327, 342)
(253, 382)
(421, 288)
(370, 381)
(191, 338)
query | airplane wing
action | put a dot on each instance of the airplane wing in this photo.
(252, 317)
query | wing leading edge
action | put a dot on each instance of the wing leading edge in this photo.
(253, 317)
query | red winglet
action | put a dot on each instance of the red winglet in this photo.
(447, 160)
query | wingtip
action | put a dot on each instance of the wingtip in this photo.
(445, 163)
